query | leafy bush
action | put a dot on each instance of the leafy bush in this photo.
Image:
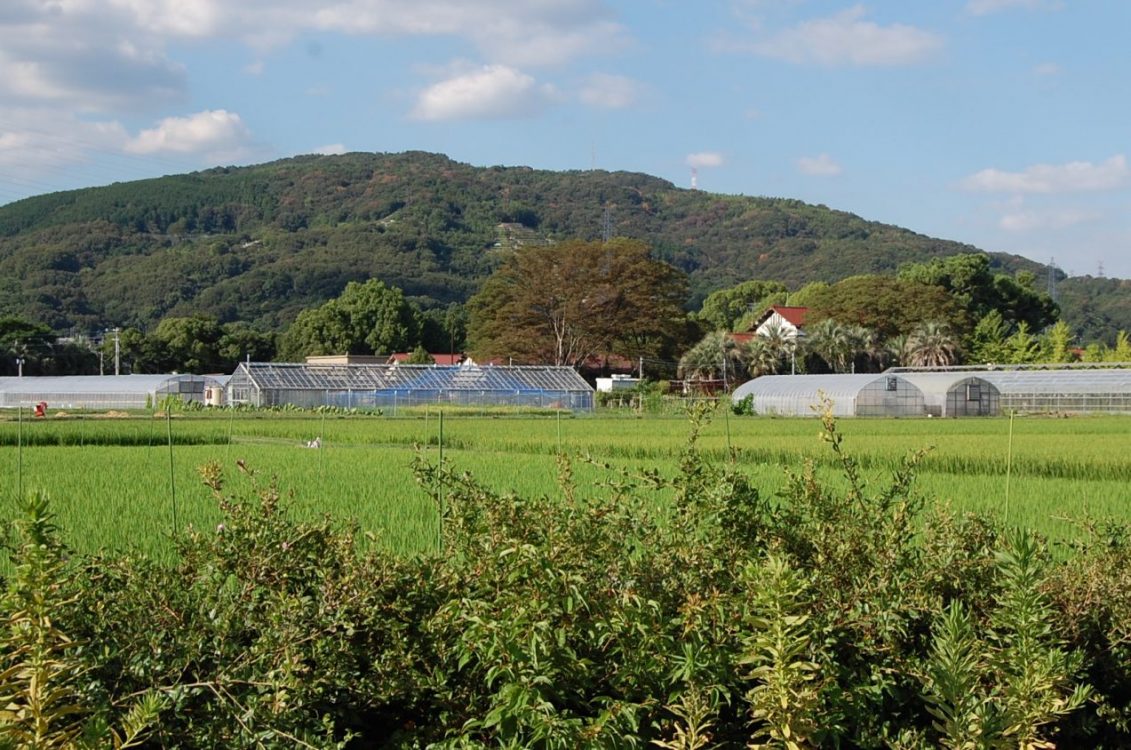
(837, 615)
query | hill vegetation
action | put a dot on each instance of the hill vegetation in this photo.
(261, 243)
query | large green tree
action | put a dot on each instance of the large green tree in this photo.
(31, 348)
(970, 280)
(366, 318)
(563, 304)
(725, 309)
(885, 304)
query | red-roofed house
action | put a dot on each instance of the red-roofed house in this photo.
(789, 320)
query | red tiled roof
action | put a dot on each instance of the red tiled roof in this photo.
(742, 337)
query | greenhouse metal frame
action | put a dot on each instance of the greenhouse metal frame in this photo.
(394, 386)
(1074, 388)
(101, 392)
(1063, 391)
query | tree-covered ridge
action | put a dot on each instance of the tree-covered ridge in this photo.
(261, 243)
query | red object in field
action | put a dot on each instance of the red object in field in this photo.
(41, 409)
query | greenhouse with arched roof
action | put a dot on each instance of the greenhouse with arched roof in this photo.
(394, 386)
(948, 391)
(107, 391)
(1063, 390)
(868, 395)
(956, 393)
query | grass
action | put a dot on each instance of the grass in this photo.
(111, 486)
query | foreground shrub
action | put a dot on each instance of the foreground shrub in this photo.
(835, 616)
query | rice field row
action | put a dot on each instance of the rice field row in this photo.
(117, 484)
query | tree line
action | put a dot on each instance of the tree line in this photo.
(583, 304)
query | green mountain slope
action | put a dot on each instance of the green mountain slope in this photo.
(260, 243)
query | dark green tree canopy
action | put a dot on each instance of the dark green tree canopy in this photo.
(724, 309)
(970, 280)
(885, 304)
(563, 304)
(366, 318)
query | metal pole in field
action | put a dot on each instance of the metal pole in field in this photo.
(1008, 465)
(321, 443)
(726, 420)
(20, 454)
(172, 480)
(231, 426)
(440, 488)
(559, 431)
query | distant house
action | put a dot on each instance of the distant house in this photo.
(788, 320)
(345, 359)
(446, 360)
(398, 358)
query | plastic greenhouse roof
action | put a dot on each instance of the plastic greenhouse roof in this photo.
(836, 387)
(939, 383)
(82, 384)
(1058, 381)
(299, 376)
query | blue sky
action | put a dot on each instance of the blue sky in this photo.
(1001, 123)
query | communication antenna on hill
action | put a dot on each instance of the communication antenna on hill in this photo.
(607, 223)
(694, 178)
(1100, 273)
(1053, 294)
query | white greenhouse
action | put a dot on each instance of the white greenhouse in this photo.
(1063, 391)
(956, 393)
(106, 391)
(868, 395)
(948, 392)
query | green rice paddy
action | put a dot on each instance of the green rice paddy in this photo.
(115, 483)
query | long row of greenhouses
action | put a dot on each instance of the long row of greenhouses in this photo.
(948, 392)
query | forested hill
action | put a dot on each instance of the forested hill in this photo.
(260, 243)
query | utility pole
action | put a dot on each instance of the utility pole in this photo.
(20, 366)
(117, 353)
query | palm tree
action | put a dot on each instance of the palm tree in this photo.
(830, 341)
(867, 349)
(931, 344)
(895, 351)
(707, 359)
(760, 357)
(766, 353)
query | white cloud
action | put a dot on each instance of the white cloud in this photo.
(818, 166)
(492, 92)
(101, 55)
(705, 159)
(217, 135)
(848, 39)
(1027, 221)
(1076, 176)
(39, 141)
(609, 91)
(985, 7)
(331, 149)
(517, 32)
